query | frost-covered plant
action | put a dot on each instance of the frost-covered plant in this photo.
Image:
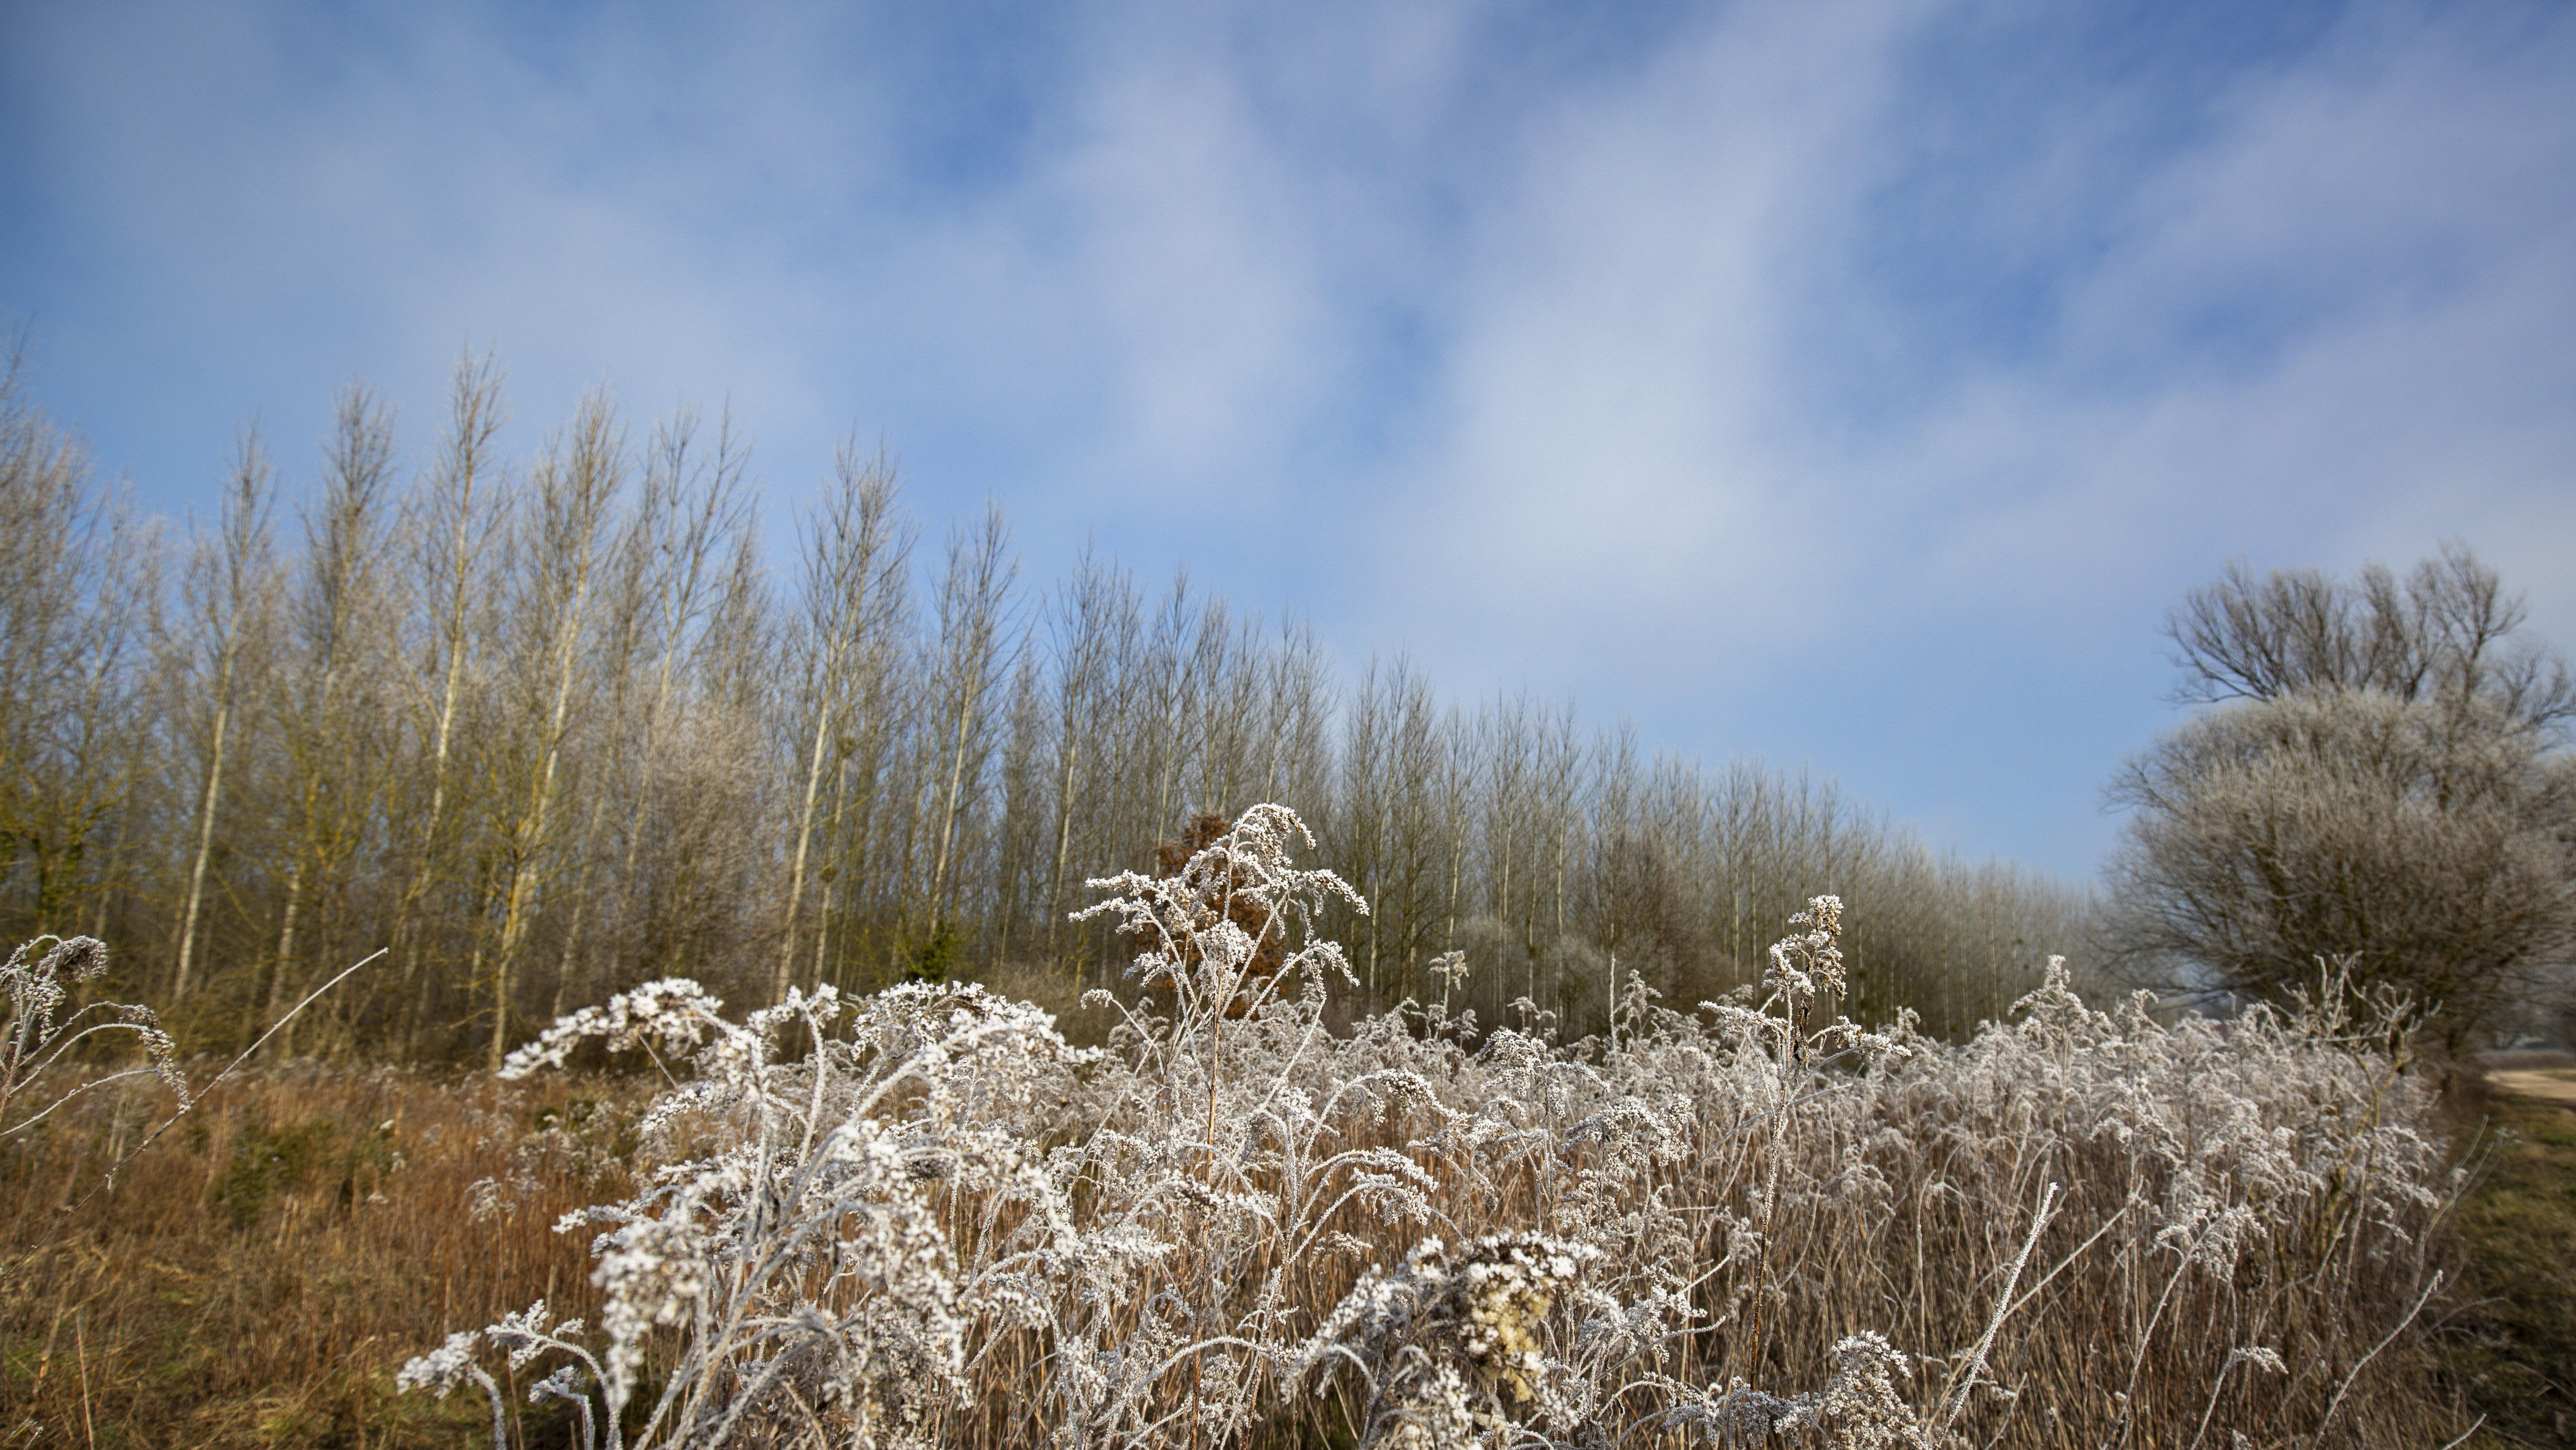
(1198, 947)
(40, 1041)
(921, 1217)
(39, 1035)
(801, 1258)
(451, 1364)
(1446, 1343)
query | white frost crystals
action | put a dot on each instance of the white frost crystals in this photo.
(1446, 1344)
(802, 1261)
(37, 1036)
(921, 1217)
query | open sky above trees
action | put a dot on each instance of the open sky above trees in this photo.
(1852, 386)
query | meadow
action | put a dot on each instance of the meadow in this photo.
(929, 1216)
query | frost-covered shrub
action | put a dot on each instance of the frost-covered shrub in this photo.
(922, 1217)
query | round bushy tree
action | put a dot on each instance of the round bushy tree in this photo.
(2433, 840)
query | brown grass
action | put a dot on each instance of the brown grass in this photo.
(258, 1276)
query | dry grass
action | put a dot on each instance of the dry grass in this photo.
(924, 1218)
(242, 1287)
(260, 1274)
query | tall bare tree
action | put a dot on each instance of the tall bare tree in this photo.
(228, 596)
(574, 490)
(79, 595)
(1090, 625)
(325, 704)
(856, 552)
(456, 524)
(975, 646)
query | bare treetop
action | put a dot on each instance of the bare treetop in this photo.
(2449, 631)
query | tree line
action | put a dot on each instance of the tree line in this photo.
(545, 727)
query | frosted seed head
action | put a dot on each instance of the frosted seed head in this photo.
(443, 1368)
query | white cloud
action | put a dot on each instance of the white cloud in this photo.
(1588, 358)
(1615, 437)
(2338, 327)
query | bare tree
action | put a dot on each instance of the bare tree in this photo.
(79, 592)
(690, 525)
(2448, 632)
(1090, 625)
(324, 706)
(228, 594)
(2434, 843)
(975, 648)
(575, 489)
(856, 553)
(455, 524)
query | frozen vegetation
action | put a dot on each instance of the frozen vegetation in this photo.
(924, 1217)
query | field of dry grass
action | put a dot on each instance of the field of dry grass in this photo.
(257, 1282)
(927, 1218)
(257, 1277)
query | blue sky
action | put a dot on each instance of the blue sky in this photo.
(1850, 387)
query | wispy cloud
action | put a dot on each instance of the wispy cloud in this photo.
(1853, 384)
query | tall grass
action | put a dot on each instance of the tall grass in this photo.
(257, 1278)
(923, 1217)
